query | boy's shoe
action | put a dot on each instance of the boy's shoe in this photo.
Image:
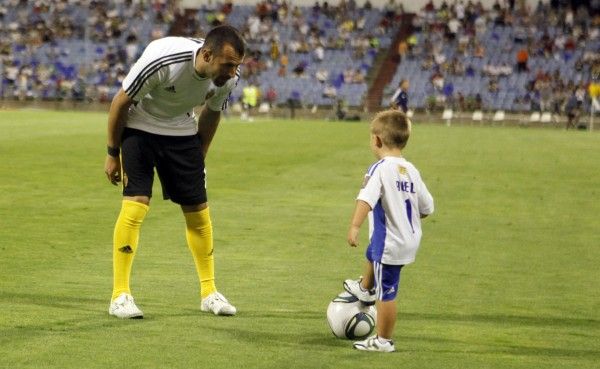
(124, 307)
(365, 296)
(373, 344)
(217, 304)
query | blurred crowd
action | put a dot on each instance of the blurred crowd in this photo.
(552, 48)
(82, 49)
(76, 49)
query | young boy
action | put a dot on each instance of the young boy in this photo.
(395, 198)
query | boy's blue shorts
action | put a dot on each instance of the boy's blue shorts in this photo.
(387, 278)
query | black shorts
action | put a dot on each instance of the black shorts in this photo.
(178, 161)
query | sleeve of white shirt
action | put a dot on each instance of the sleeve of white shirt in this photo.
(218, 101)
(371, 191)
(144, 76)
(425, 199)
(395, 96)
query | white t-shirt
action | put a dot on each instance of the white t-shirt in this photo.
(397, 196)
(166, 88)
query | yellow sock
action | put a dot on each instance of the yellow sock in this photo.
(125, 242)
(200, 241)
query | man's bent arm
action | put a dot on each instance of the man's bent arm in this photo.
(207, 126)
(117, 116)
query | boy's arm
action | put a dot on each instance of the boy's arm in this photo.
(426, 205)
(361, 211)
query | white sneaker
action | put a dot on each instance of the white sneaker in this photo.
(217, 304)
(124, 307)
(373, 344)
(365, 296)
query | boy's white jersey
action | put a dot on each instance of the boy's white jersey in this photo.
(397, 195)
(166, 87)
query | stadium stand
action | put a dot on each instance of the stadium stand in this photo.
(458, 56)
(510, 59)
(82, 50)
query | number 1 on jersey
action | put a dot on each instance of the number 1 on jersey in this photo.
(409, 213)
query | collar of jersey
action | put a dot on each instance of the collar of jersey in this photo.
(393, 157)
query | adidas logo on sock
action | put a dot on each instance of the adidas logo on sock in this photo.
(126, 249)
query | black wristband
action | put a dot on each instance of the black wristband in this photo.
(113, 151)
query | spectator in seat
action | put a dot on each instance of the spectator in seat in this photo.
(329, 91)
(283, 63)
(271, 96)
(322, 75)
(294, 102)
(299, 69)
(573, 110)
(522, 60)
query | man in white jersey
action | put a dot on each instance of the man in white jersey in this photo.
(151, 124)
(395, 198)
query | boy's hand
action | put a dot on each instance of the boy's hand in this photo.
(353, 236)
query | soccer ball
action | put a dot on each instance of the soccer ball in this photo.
(350, 318)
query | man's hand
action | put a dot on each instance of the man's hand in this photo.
(353, 236)
(112, 168)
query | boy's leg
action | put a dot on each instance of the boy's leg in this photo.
(386, 318)
(368, 281)
(362, 288)
(387, 280)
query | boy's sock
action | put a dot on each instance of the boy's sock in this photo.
(200, 242)
(382, 340)
(363, 288)
(125, 242)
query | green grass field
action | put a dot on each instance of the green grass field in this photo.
(507, 275)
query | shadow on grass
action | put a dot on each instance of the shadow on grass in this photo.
(406, 343)
(75, 301)
(284, 337)
(502, 319)
(87, 314)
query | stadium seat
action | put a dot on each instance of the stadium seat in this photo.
(498, 116)
(477, 115)
(263, 108)
(447, 114)
(546, 117)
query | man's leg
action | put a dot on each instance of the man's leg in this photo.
(200, 242)
(125, 241)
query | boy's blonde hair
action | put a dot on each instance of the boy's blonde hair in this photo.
(392, 127)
